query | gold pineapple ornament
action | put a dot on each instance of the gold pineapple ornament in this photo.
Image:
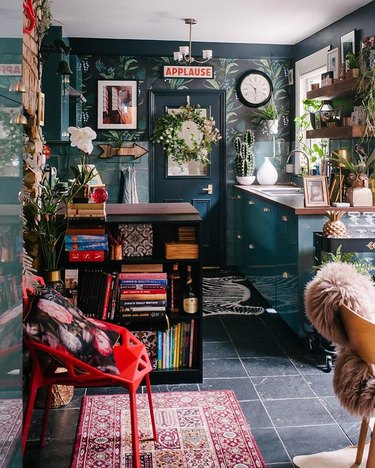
(334, 227)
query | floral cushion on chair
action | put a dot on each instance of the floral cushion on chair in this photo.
(55, 322)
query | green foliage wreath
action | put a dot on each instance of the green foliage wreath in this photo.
(167, 132)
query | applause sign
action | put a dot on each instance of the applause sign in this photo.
(187, 71)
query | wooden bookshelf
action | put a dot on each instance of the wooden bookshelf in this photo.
(336, 90)
(355, 131)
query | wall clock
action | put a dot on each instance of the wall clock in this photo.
(254, 88)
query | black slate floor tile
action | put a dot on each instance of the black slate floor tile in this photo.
(297, 412)
(256, 415)
(61, 424)
(309, 364)
(219, 349)
(258, 347)
(268, 366)
(321, 384)
(243, 387)
(270, 446)
(213, 329)
(281, 387)
(312, 439)
(56, 454)
(223, 368)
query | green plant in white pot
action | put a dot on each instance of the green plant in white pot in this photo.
(245, 161)
(269, 116)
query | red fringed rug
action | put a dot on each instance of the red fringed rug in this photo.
(195, 430)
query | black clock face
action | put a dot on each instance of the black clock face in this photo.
(254, 88)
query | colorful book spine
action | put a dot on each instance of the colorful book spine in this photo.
(142, 292)
(142, 303)
(85, 238)
(160, 349)
(107, 296)
(85, 231)
(142, 309)
(145, 276)
(144, 282)
(142, 287)
(143, 297)
(86, 256)
(85, 246)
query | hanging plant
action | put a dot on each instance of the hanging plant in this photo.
(170, 129)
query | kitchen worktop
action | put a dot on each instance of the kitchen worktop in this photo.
(294, 201)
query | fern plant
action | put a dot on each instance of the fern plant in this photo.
(361, 265)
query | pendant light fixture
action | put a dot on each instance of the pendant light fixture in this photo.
(184, 54)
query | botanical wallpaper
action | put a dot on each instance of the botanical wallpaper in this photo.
(148, 71)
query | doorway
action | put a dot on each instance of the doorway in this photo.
(205, 188)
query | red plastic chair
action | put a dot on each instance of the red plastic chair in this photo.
(131, 359)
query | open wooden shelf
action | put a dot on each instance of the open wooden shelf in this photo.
(335, 90)
(356, 131)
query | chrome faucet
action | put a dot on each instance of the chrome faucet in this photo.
(305, 155)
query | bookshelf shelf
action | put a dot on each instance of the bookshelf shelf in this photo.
(180, 349)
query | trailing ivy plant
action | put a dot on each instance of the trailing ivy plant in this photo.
(168, 132)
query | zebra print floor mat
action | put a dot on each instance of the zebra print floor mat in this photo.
(231, 294)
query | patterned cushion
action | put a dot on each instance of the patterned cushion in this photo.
(54, 321)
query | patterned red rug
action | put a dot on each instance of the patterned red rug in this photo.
(195, 430)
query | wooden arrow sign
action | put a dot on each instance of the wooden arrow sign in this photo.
(134, 150)
(371, 245)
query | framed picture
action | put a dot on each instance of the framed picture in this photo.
(117, 105)
(327, 78)
(316, 191)
(347, 44)
(333, 62)
(41, 106)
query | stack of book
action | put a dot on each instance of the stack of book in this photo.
(86, 210)
(86, 247)
(177, 346)
(142, 295)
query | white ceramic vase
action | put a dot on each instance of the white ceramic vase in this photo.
(247, 180)
(272, 126)
(267, 173)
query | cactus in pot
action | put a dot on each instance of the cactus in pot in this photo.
(245, 161)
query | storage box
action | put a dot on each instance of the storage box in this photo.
(180, 250)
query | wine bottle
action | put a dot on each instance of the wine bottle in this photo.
(190, 299)
(174, 290)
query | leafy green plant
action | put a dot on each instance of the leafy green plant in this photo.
(359, 164)
(358, 263)
(168, 132)
(366, 84)
(269, 112)
(352, 59)
(116, 137)
(317, 151)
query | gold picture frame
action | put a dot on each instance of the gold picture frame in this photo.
(316, 191)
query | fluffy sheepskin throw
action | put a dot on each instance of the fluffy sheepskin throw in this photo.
(333, 285)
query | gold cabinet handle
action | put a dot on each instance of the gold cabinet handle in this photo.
(284, 218)
(285, 274)
(251, 246)
(266, 210)
(251, 202)
(239, 236)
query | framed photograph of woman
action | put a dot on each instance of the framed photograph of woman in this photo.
(333, 62)
(316, 191)
(117, 104)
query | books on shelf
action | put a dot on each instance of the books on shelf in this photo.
(177, 347)
(86, 210)
(71, 285)
(86, 256)
(141, 267)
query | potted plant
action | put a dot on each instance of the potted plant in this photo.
(269, 115)
(352, 61)
(84, 172)
(244, 162)
(359, 193)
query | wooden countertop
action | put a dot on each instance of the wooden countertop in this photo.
(296, 202)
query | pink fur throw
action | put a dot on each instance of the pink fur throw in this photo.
(333, 285)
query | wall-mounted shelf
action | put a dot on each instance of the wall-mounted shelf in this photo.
(335, 90)
(355, 131)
